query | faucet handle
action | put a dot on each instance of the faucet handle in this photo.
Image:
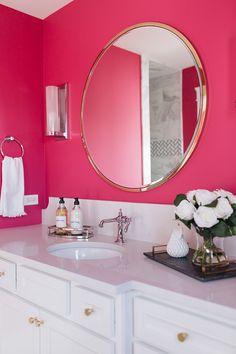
(128, 221)
(120, 212)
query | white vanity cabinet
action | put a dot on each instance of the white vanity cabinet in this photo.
(26, 329)
(18, 334)
(45, 310)
(35, 315)
(161, 327)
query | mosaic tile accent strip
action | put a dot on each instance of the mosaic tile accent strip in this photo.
(164, 148)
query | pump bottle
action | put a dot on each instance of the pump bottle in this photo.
(61, 214)
(76, 219)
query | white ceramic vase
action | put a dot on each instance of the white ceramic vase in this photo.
(177, 246)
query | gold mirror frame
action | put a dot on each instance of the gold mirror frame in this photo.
(202, 111)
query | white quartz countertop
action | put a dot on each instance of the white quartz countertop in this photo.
(30, 245)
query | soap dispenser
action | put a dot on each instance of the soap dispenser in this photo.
(61, 214)
(76, 219)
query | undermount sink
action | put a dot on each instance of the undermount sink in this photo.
(85, 250)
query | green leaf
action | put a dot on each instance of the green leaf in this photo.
(232, 219)
(221, 229)
(212, 204)
(179, 198)
(233, 230)
(186, 223)
(203, 231)
(233, 206)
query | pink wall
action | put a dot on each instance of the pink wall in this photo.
(73, 38)
(112, 117)
(189, 82)
(21, 101)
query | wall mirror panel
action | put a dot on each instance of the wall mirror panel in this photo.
(143, 107)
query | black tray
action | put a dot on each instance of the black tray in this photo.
(184, 265)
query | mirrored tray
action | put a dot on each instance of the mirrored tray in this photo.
(70, 233)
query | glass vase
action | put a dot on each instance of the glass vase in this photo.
(209, 255)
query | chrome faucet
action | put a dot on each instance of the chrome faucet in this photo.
(123, 225)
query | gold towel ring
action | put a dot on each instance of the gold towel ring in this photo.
(9, 139)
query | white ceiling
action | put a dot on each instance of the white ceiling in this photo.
(158, 45)
(36, 8)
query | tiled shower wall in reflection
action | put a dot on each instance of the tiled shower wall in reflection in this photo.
(166, 123)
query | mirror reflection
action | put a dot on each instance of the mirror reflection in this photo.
(143, 107)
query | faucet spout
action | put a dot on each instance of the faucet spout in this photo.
(101, 223)
(104, 221)
(123, 225)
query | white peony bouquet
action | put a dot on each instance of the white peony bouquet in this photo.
(211, 213)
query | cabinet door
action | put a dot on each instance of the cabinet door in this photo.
(140, 348)
(59, 336)
(17, 334)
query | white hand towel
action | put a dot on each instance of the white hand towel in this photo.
(12, 193)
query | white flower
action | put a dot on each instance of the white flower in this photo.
(204, 197)
(232, 199)
(222, 193)
(223, 209)
(185, 210)
(190, 195)
(205, 217)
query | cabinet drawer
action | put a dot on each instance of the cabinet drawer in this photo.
(7, 274)
(140, 348)
(93, 310)
(159, 325)
(44, 290)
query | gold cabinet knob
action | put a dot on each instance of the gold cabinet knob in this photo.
(88, 311)
(38, 323)
(32, 320)
(182, 336)
(35, 321)
(2, 274)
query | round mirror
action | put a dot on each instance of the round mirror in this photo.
(143, 107)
